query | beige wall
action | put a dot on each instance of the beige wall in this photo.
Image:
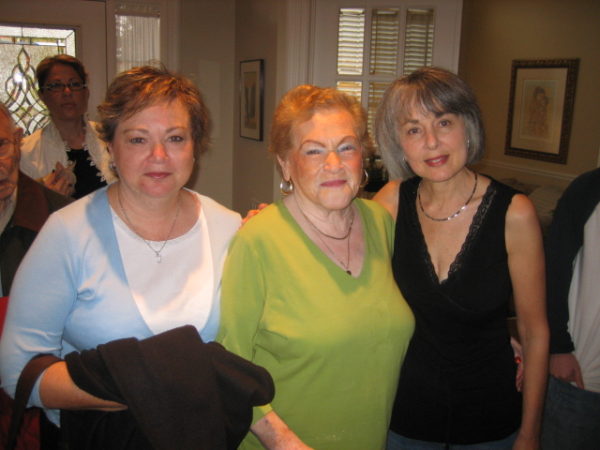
(216, 36)
(256, 37)
(207, 48)
(497, 31)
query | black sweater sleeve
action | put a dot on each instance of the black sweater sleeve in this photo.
(565, 238)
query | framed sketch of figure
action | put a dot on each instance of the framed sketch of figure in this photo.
(542, 94)
(251, 99)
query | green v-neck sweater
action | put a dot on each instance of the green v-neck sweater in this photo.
(333, 343)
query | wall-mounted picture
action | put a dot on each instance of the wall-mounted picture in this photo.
(251, 99)
(542, 95)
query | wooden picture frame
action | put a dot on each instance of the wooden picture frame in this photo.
(542, 95)
(251, 99)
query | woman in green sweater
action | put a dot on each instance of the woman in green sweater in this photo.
(308, 290)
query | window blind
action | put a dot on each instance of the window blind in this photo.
(418, 42)
(350, 87)
(376, 90)
(351, 30)
(384, 42)
(384, 50)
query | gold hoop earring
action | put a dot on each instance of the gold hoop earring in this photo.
(365, 179)
(286, 187)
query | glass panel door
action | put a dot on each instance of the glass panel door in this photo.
(21, 49)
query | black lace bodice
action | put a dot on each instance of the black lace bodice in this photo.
(457, 382)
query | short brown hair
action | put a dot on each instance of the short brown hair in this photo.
(434, 90)
(45, 66)
(140, 87)
(299, 104)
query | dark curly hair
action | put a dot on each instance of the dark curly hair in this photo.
(45, 66)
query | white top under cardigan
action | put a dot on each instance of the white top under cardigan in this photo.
(72, 292)
(190, 275)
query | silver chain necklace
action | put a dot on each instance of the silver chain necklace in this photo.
(346, 236)
(158, 252)
(451, 216)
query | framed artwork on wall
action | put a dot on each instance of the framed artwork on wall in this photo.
(251, 99)
(542, 95)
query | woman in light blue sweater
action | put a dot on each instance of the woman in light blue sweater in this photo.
(134, 259)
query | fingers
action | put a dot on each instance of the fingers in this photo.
(65, 172)
(61, 181)
(578, 378)
(565, 367)
(517, 349)
(253, 212)
(250, 214)
(519, 377)
(64, 187)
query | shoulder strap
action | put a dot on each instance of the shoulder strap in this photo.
(27, 379)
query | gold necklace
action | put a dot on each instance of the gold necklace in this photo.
(158, 252)
(451, 216)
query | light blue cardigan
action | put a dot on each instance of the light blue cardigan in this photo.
(71, 291)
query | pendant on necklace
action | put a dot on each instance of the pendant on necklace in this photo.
(158, 257)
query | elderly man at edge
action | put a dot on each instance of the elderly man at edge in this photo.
(24, 204)
(24, 207)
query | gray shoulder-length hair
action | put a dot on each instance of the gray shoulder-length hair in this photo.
(436, 91)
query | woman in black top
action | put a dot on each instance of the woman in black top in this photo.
(464, 244)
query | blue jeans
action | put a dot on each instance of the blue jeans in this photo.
(571, 418)
(398, 442)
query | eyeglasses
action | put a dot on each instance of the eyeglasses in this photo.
(60, 87)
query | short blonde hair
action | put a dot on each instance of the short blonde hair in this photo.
(299, 104)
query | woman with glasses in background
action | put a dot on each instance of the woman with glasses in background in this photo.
(66, 154)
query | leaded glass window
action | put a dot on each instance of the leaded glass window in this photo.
(21, 49)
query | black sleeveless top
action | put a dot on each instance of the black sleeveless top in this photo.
(457, 384)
